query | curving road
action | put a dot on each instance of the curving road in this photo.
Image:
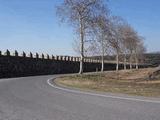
(32, 98)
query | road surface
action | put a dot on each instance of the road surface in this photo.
(32, 98)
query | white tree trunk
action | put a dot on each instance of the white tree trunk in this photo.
(136, 57)
(130, 61)
(102, 68)
(137, 67)
(81, 46)
(102, 57)
(117, 59)
(125, 61)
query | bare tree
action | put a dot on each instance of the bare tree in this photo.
(100, 29)
(139, 50)
(132, 45)
(80, 13)
(125, 45)
(130, 42)
(116, 37)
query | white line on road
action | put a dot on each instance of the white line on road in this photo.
(100, 95)
(9, 79)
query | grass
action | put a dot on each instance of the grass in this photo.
(132, 82)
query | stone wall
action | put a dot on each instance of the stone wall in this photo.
(22, 65)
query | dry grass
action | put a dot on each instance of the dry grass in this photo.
(133, 82)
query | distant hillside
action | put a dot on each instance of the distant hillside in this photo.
(149, 58)
(152, 58)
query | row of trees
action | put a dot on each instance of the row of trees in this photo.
(100, 33)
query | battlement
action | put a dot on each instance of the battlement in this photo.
(14, 64)
(47, 57)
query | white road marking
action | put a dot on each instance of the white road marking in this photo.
(100, 95)
(9, 79)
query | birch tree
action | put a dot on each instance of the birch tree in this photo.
(125, 44)
(139, 50)
(115, 39)
(101, 29)
(130, 43)
(80, 13)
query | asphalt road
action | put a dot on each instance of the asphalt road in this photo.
(32, 98)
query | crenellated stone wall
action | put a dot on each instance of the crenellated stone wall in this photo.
(19, 65)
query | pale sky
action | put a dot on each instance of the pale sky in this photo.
(32, 25)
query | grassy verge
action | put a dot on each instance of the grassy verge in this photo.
(126, 82)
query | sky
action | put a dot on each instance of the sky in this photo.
(32, 25)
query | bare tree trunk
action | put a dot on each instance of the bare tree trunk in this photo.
(102, 45)
(102, 69)
(137, 67)
(117, 67)
(117, 59)
(81, 46)
(136, 57)
(130, 61)
(125, 61)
